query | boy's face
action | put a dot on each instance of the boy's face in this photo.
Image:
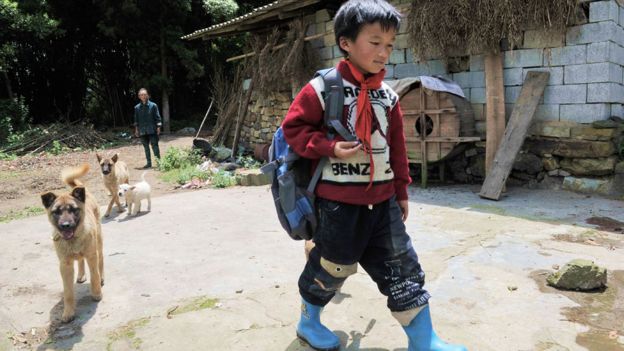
(371, 49)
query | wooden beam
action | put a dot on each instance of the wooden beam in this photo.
(516, 131)
(495, 106)
(276, 47)
(241, 119)
(443, 139)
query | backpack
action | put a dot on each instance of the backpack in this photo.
(293, 186)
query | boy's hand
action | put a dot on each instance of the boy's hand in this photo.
(346, 149)
(404, 205)
(157, 130)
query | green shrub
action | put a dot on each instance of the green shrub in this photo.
(248, 162)
(14, 119)
(223, 179)
(58, 148)
(184, 175)
(176, 158)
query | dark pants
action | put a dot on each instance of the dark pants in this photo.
(152, 139)
(376, 239)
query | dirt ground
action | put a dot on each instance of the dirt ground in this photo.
(24, 179)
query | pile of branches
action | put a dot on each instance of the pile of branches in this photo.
(283, 59)
(440, 28)
(59, 135)
(228, 94)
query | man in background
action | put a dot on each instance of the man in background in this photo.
(147, 123)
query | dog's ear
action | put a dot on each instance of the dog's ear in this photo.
(79, 193)
(47, 199)
(98, 157)
(115, 157)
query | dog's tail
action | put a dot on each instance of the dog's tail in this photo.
(70, 175)
(143, 176)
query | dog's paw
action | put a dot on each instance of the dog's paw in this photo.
(81, 280)
(67, 317)
(96, 297)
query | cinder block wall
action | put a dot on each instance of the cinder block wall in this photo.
(585, 64)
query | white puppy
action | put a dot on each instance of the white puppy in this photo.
(135, 193)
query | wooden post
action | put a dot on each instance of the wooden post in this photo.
(241, 118)
(516, 131)
(495, 106)
(423, 142)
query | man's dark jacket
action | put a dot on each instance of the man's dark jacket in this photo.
(147, 117)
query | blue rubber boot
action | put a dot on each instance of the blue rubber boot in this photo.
(313, 332)
(422, 337)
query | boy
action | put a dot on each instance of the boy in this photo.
(362, 195)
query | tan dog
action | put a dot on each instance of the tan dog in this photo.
(114, 173)
(77, 235)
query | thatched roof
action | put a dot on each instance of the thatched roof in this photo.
(261, 18)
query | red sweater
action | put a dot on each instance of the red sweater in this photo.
(346, 180)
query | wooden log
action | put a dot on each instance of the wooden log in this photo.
(495, 106)
(276, 47)
(516, 131)
(241, 118)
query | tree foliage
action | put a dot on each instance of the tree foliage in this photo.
(70, 60)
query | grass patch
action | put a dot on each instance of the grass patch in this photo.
(223, 179)
(127, 333)
(198, 304)
(184, 175)
(26, 212)
(490, 209)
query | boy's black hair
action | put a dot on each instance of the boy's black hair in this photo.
(353, 14)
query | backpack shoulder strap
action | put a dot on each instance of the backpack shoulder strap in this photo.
(334, 102)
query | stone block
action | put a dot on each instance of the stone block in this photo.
(329, 26)
(537, 39)
(605, 92)
(617, 110)
(397, 56)
(547, 112)
(477, 95)
(322, 16)
(578, 274)
(589, 166)
(336, 52)
(587, 185)
(479, 112)
(593, 73)
(565, 94)
(571, 148)
(477, 63)
(550, 163)
(329, 40)
(401, 42)
(463, 79)
(586, 132)
(555, 78)
(554, 129)
(523, 58)
(604, 11)
(593, 32)
(389, 72)
(311, 29)
(326, 53)
(569, 55)
(477, 79)
(511, 94)
(529, 163)
(584, 113)
(513, 76)
(605, 51)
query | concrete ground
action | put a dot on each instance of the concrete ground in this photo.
(213, 270)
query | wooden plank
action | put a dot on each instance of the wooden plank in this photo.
(444, 139)
(429, 112)
(516, 131)
(423, 143)
(495, 106)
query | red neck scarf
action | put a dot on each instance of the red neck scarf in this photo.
(364, 120)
